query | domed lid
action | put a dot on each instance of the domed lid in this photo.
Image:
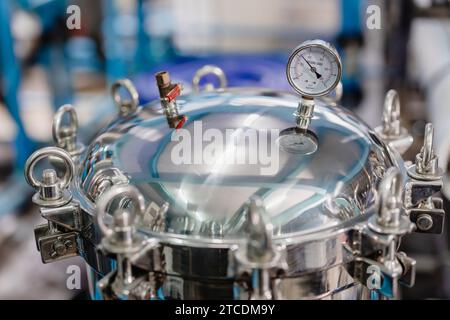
(228, 151)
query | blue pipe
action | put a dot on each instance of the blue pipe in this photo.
(11, 70)
(16, 192)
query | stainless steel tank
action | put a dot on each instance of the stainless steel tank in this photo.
(209, 195)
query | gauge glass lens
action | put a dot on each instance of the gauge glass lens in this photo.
(293, 141)
(314, 70)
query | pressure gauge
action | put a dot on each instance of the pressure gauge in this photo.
(296, 141)
(314, 68)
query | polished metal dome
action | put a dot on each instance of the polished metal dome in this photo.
(228, 151)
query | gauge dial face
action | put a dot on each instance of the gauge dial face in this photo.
(314, 69)
(295, 142)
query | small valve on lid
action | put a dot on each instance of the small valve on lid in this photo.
(168, 93)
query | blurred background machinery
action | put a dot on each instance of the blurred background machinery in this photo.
(56, 52)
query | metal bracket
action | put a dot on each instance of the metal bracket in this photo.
(58, 239)
(377, 265)
(423, 209)
(408, 277)
(419, 191)
(67, 217)
(55, 247)
(429, 218)
(383, 275)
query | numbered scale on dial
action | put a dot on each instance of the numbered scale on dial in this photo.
(314, 69)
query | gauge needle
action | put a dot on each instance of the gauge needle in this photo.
(318, 75)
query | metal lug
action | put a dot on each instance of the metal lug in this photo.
(126, 107)
(256, 262)
(52, 191)
(391, 218)
(390, 224)
(391, 130)
(122, 240)
(66, 136)
(209, 70)
(426, 167)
